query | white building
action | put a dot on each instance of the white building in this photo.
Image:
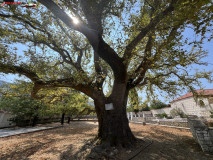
(160, 111)
(189, 106)
(4, 119)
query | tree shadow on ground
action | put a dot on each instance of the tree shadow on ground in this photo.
(68, 154)
(26, 152)
(46, 141)
(93, 151)
(167, 145)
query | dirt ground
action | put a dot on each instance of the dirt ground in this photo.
(73, 141)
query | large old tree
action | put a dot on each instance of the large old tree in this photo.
(105, 49)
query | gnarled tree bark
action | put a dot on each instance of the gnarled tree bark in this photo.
(113, 124)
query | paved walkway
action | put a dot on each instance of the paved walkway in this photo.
(16, 131)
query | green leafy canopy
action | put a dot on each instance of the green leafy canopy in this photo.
(135, 42)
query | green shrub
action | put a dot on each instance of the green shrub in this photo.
(144, 107)
(177, 112)
(136, 110)
(162, 115)
(211, 114)
(201, 103)
(157, 105)
(23, 109)
(28, 111)
(184, 116)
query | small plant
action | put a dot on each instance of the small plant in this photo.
(177, 112)
(184, 116)
(144, 107)
(201, 103)
(162, 115)
(211, 114)
(157, 105)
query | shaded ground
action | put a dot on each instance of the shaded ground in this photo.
(169, 144)
(74, 142)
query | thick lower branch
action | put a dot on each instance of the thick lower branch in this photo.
(6, 68)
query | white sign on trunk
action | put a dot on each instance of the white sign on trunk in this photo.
(109, 106)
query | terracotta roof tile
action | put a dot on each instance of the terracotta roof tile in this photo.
(201, 92)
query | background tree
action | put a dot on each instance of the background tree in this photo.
(134, 100)
(122, 44)
(144, 106)
(157, 105)
(27, 111)
(72, 104)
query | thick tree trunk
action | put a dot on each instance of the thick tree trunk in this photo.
(113, 124)
(114, 128)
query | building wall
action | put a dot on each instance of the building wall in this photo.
(190, 107)
(4, 120)
(160, 111)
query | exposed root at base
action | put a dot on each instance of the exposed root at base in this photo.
(97, 150)
(126, 142)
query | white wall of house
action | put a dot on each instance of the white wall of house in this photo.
(4, 120)
(162, 110)
(190, 107)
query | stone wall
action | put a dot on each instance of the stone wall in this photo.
(138, 119)
(181, 122)
(202, 134)
(170, 122)
(4, 120)
(174, 123)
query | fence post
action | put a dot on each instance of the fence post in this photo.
(131, 115)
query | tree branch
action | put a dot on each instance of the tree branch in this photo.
(68, 82)
(91, 35)
(7, 68)
(144, 66)
(50, 37)
(94, 38)
(23, 20)
(39, 84)
(101, 75)
(147, 29)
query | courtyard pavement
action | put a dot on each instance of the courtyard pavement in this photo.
(15, 131)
